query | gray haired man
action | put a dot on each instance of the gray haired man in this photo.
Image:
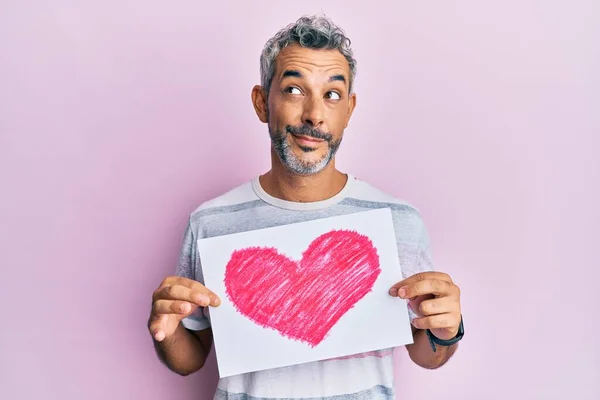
(306, 98)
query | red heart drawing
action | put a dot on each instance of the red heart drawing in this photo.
(303, 300)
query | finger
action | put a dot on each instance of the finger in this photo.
(186, 289)
(183, 293)
(196, 286)
(436, 287)
(438, 321)
(425, 307)
(415, 303)
(421, 276)
(161, 307)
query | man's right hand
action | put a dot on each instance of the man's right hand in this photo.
(175, 299)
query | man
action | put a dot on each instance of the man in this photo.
(306, 99)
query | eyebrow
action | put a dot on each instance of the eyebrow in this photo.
(297, 74)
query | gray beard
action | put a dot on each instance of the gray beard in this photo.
(281, 145)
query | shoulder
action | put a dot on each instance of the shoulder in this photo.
(366, 195)
(408, 221)
(238, 198)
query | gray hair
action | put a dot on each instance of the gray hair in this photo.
(313, 32)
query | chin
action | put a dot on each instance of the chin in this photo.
(310, 158)
(301, 160)
(306, 165)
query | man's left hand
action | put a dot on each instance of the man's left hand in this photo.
(436, 298)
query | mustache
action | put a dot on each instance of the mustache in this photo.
(306, 130)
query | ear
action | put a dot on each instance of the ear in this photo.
(259, 100)
(351, 106)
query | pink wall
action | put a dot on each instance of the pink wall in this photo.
(118, 118)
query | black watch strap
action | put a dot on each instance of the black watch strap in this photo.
(433, 340)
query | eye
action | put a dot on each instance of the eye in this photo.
(333, 96)
(292, 90)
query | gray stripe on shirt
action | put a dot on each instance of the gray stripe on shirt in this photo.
(375, 393)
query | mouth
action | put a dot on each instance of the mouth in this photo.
(307, 141)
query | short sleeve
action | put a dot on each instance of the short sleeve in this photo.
(189, 267)
(423, 260)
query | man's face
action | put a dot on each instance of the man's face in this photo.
(309, 107)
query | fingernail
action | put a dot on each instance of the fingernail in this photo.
(402, 292)
(216, 301)
(393, 292)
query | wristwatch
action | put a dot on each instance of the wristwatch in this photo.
(433, 340)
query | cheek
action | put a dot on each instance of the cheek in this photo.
(289, 107)
(337, 123)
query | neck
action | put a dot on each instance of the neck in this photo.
(281, 183)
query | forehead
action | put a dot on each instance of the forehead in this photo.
(311, 61)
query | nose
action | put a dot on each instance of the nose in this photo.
(313, 114)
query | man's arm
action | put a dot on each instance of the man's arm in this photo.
(420, 351)
(174, 300)
(435, 299)
(185, 351)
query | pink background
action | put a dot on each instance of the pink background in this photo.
(118, 118)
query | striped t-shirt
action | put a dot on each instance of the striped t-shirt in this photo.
(249, 207)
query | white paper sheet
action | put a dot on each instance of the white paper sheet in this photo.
(277, 304)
